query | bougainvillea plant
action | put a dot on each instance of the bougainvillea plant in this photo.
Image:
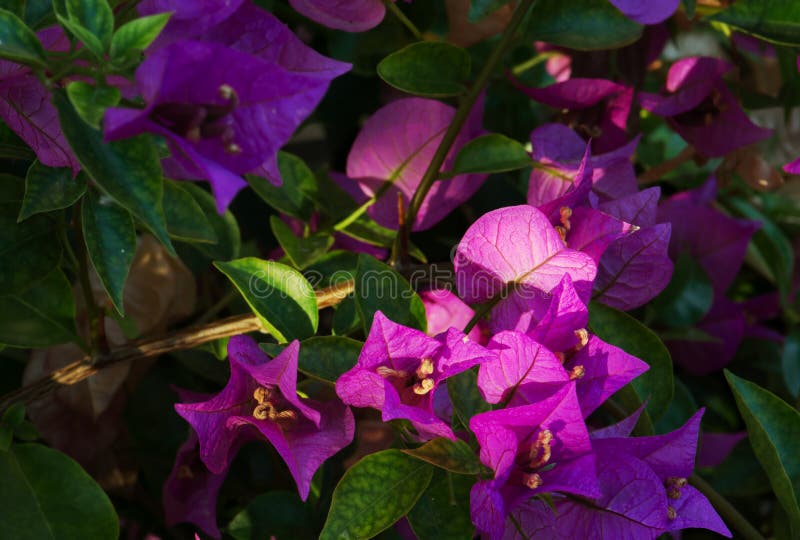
(430, 269)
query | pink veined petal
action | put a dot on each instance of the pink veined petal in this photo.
(487, 509)
(693, 510)
(443, 310)
(348, 15)
(592, 231)
(516, 244)
(639, 209)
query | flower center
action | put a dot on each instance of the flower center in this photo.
(673, 485)
(538, 456)
(198, 122)
(268, 406)
(420, 381)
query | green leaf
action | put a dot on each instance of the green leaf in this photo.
(277, 514)
(454, 456)
(790, 362)
(370, 232)
(683, 406)
(91, 102)
(42, 316)
(333, 268)
(620, 329)
(379, 287)
(490, 153)
(128, 170)
(442, 512)
(186, 220)
(630, 401)
(301, 251)
(777, 21)
(226, 229)
(6, 437)
(427, 68)
(346, 319)
(110, 237)
(14, 415)
(774, 430)
(28, 250)
(688, 296)
(279, 295)
(94, 16)
(374, 493)
(47, 495)
(467, 399)
(136, 35)
(479, 9)
(581, 24)
(288, 198)
(18, 43)
(769, 245)
(327, 357)
(689, 7)
(48, 188)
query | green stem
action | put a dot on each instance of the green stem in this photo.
(400, 249)
(730, 514)
(488, 306)
(532, 62)
(403, 19)
(358, 212)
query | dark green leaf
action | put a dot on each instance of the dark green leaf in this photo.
(48, 189)
(454, 456)
(774, 429)
(95, 16)
(683, 406)
(790, 362)
(374, 493)
(777, 21)
(769, 246)
(427, 68)
(289, 197)
(46, 495)
(630, 401)
(277, 514)
(90, 41)
(301, 251)
(620, 329)
(279, 295)
(91, 101)
(378, 287)
(689, 7)
(28, 250)
(442, 512)
(346, 319)
(490, 153)
(6, 437)
(129, 170)
(327, 357)
(186, 220)
(14, 415)
(466, 398)
(42, 316)
(136, 35)
(688, 296)
(478, 9)
(581, 24)
(18, 43)
(333, 268)
(368, 231)
(226, 229)
(110, 236)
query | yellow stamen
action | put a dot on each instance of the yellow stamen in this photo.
(425, 368)
(671, 513)
(423, 387)
(386, 371)
(540, 450)
(264, 411)
(562, 233)
(566, 213)
(583, 338)
(226, 92)
(233, 148)
(577, 372)
(532, 480)
(261, 394)
(674, 493)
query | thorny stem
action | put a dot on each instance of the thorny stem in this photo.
(184, 339)
(730, 514)
(390, 5)
(400, 248)
(654, 174)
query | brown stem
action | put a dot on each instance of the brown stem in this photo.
(148, 348)
(655, 173)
